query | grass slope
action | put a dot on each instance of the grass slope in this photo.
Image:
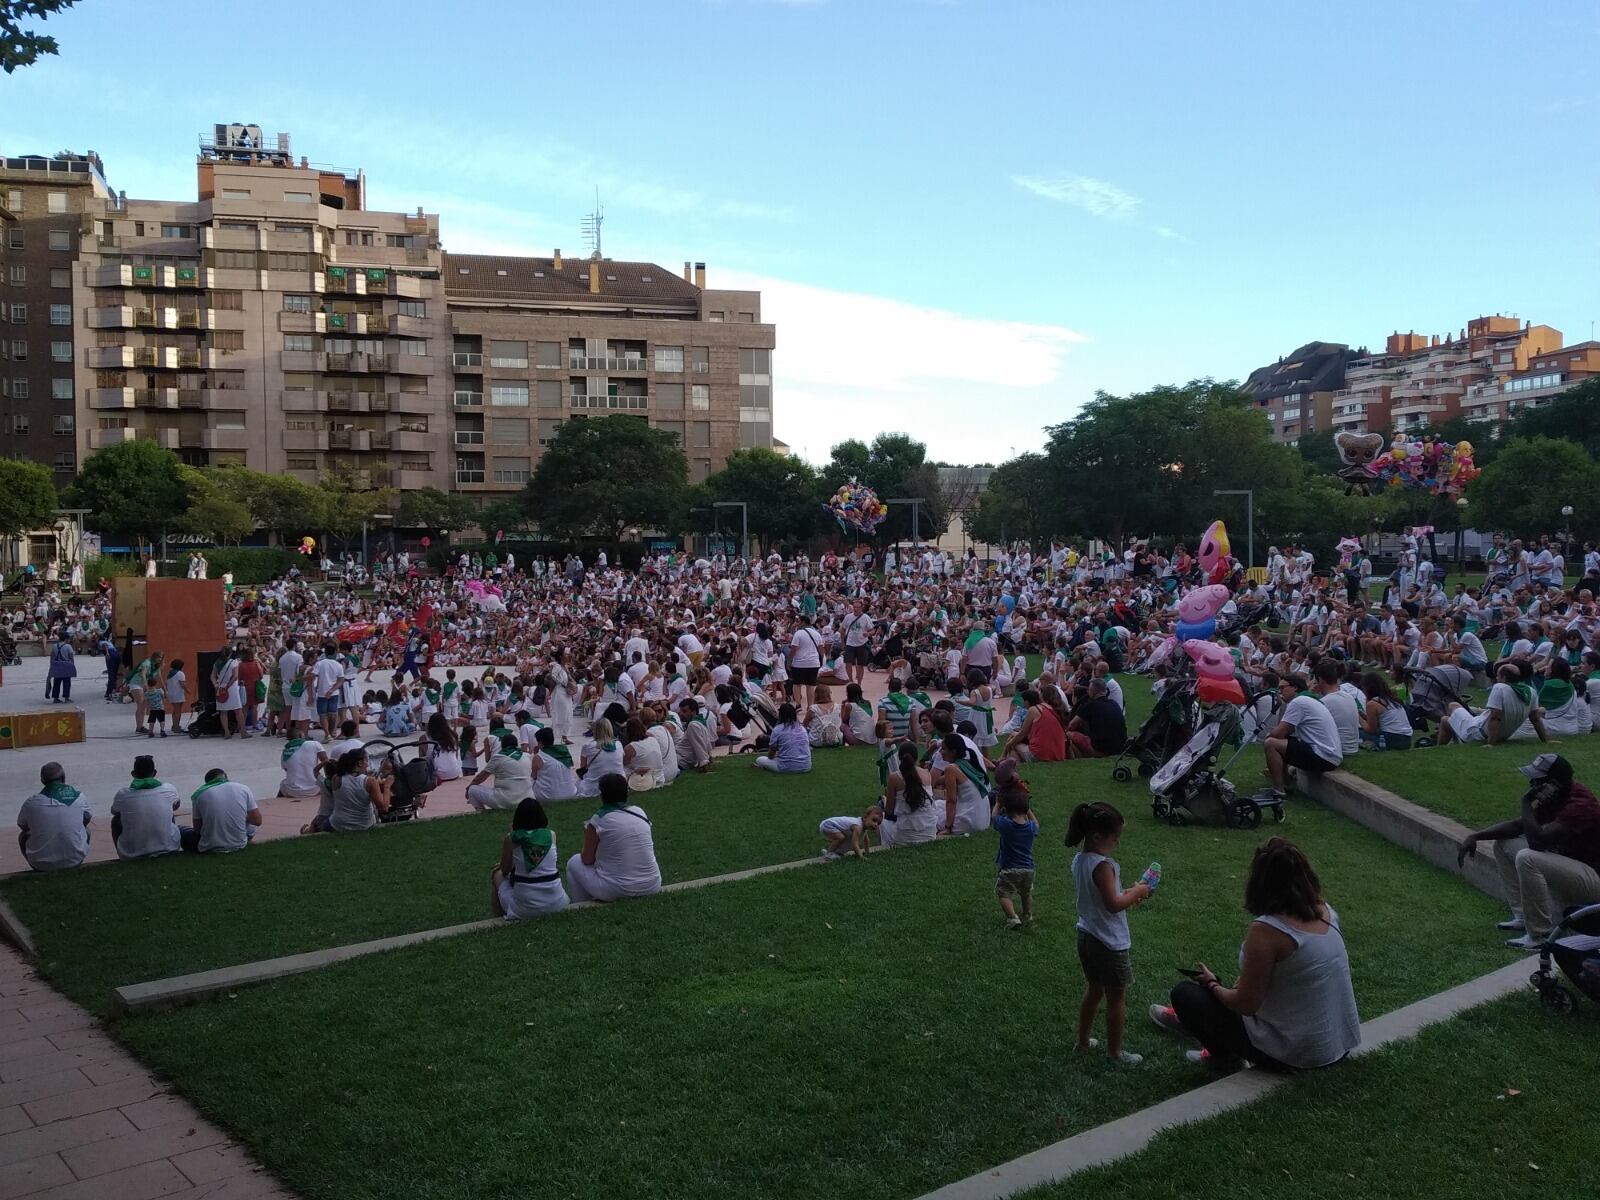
(1476, 785)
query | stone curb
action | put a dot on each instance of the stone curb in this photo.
(1128, 1135)
(15, 932)
(1426, 834)
(203, 985)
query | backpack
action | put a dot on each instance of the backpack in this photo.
(830, 735)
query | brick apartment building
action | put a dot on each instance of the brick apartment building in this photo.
(277, 322)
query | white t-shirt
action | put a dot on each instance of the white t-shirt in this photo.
(328, 673)
(513, 779)
(1314, 725)
(805, 648)
(1347, 716)
(555, 780)
(299, 770)
(839, 825)
(148, 827)
(57, 836)
(223, 811)
(626, 857)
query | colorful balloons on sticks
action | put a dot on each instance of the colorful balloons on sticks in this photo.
(856, 506)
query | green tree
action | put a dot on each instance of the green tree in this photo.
(21, 47)
(780, 490)
(1015, 504)
(215, 510)
(508, 516)
(135, 489)
(430, 508)
(1523, 491)
(602, 476)
(895, 466)
(343, 506)
(27, 496)
(283, 505)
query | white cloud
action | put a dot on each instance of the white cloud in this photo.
(1165, 231)
(1095, 196)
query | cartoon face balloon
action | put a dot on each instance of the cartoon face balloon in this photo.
(1197, 611)
(1211, 659)
(1214, 548)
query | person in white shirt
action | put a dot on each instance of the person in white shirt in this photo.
(54, 823)
(512, 774)
(300, 759)
(618, 858)
(1511, 703)
(1306, 738)
(857, 630)
(1345, 711)
(553, 778)
(226, 816)
(143, 814)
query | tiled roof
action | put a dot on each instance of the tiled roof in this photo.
(499, 277)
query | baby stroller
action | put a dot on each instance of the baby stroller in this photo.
(413, 778)
(759, 715)
(1433, 691)
(1190, 789)
(1163, 733)
(1574, 944)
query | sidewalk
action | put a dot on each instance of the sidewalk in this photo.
(80, 1119)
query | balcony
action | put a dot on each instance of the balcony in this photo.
(380, 440)
(106, 358)
(469, 437)
(303, 439)
(350, 324)
(408, 364)
(128, 275)
(463, 399)
(117, 316)
(469, 476)
(409, 326)
(109, 399)
(409, 440)
(360, 364)
(461, 359)
(378, 402)
(155, 318)
(627, 364)
(99, 439)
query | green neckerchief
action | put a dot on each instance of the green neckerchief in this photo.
(514, 755)
(1524, 693)
(206, 787)
(700, 720)
(883, 764)
(1555, 693)
(900, 701)
(606, 747)
(534, 844)
(145, 785)
(922, 698)
(450, 689)
(291, 746)
(560, 753)
(61, 793)
(1573, 657)
(431, 696)
(607, 808)
(979, 779)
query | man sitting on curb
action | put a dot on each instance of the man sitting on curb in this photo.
(1549, 857)
(54, 822)
(1306, 738)
(226, 816)
(144, 814)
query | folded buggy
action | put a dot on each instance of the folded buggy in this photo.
(1574, 946)
(1433, 691)
(1170, 724)
(413, 778)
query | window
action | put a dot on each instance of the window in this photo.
(299, 341)
(14, 237)
(416, 462)
(20, 423)
(511, 470)
(62, 426)
(66, 461)
(548, 354)
(358, 237)
(302, 464)
(401, 241)
(413, 308)
(61, 314)
(509, 395)
(14, 200)
(237, 226)
(288, 261)
(414, 347)
(235, 260)
(226, 339)
(297, 304)
(702, 435)
(299, 381)
(56, 202)
(60, 351)
(755, 395)
(715, 316)
(675, 428)
(297, 197)
(508, 354)
(61, 389)
(747, 318)
(236, 193)
(548, 430)
(669, 358)
(60, 277)
(229, 301)
(338, 345)
(669, 397)
(702, 470)
(700, 359)
(19, 314)
(510, 431)
(180, 231)
(755, 362)
(19, 273)
(61, 239)
(19, 389)
(112, 422)
(369, 346)
(19, 350)
(549, 393)
(700, 398)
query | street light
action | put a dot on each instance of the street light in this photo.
(744, 521)
(916, 516)
(1566, 527)
(1250, 516)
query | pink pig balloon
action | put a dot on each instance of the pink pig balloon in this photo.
(1202, 603)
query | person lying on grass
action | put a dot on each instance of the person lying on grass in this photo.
(1293, 1006)
(1511, 702)
(526, 882)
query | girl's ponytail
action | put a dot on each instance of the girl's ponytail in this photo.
(1096, 819)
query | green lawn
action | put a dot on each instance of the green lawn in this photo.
(1476, 785)
(864, 1029)
(1495, 1103)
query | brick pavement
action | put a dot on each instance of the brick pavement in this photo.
(80, 1119)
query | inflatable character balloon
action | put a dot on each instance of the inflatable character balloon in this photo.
(1216, 556)
(1214, 665)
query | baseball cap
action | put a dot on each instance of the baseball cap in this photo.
(1548, 766)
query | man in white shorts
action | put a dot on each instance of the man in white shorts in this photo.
(1509, 706)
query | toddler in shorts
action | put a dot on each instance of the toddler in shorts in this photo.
(1012, 818)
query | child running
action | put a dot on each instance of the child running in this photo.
(1103, 941)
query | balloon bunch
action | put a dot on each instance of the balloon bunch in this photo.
(308, 545)
(856, 506)
(1425, 465)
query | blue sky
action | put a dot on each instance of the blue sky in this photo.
(967, 216)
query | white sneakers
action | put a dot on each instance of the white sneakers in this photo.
(1525, 942)
(1513, 924)
(1164, 1016)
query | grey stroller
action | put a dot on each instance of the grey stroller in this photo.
(1432, 692)
(1191, 789)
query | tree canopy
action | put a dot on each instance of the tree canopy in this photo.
(21, 47)
(135, 489)
(782, 493)
(1530, 481)
(430, 508)
(896, 467)
(602, 476)
(27, 496)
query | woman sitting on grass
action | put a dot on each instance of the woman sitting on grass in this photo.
(619, 852)
(909, 812)
(1566, 711)
(353, 798)
(1293, 1006)
(527, 881)
(1384, 722)
(789, 747)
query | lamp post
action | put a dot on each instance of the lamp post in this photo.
(916, 516)
(365, 562)
(1566, 528)
(1249, 495)
(744, 522)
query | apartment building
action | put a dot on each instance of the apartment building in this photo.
(1420, 380)
(1546, 377)
(1296, 393)
(46, 201)
(274, 321)
(539, 341)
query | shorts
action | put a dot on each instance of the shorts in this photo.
(1102, 965)
(857, 656)
(1304, 758)
(1014, 881)
(805, 676)
(1386, 741)
(327, 705)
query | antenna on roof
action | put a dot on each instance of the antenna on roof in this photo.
(592, 224)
